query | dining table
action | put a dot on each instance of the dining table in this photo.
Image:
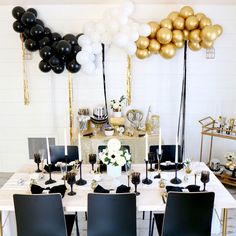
(150, 199)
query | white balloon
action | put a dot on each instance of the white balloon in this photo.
(134, 35)
(87, 48)
(113, 26)
(125, 29)
(84, 40)
(91, 57)
(95, 37)
(134, 26)
(120, 39)
(82, 57)
(128, 8)
(144, 30)
(89, 27)
(123, 19)
(89, 68)
(106, 38)
(131, 48)
(97, 48)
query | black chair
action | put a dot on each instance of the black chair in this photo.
(187, 214)
(41, 215)
(111, 214)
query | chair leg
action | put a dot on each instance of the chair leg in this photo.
(86, 216)
(143, 215)
(150, 223)
(152, 227)
(76, 224)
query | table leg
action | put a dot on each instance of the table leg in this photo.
(1, 230)
(225, 216)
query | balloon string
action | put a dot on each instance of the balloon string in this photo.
(104, 78)
(25, 81)
(129, 81)
(70, 93)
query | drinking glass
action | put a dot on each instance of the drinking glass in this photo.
(71, 181)
(205, 177)
(37, 160)
(135, 179)
(151, 160)
(63, 168)
(92, 160)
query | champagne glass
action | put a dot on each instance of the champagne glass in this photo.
(42, 153)
(71, 180)
(37, 160)
(151, 160)
(92, 160)
(135, 179)
(63, 168)
(205, 177)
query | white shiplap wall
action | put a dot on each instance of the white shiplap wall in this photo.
(211, 88)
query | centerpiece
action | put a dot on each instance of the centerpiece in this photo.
(114, 156)
(116, 106)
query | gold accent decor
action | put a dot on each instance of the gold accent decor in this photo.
(129, 81)
(70, 93)
(225, 216)
(116, 121)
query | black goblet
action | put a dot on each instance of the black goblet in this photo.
(37, 160)
(71, 180)
(135, 179)
(205, 177)
(151, 160)
(92, 160)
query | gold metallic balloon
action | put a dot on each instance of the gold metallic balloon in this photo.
(218, 29)
(200, 16)
(209, 33)
(178, 23)
(186, 11)
(164, 35)
(166, 23)
(191, 23)
(194, 36)
(173, 15)
(142, 42)
(142, 53)
(186, 34)
(194, 46)
(154, 27)
(178, 36)
(205, 22)
(206, 44)
(154, 46)
(179, 44)
(168, 51)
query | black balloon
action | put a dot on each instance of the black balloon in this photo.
(44, 42)
(37, 32)
(28, 19)
(71, 39)
(54, 46)
(39, 22)
(56, 37)
(44, 66)
(54, 61)
(63, 47)
(31, 45)
(18, 26)
(47, 32)
(26, 33)
(58, 69)
(32, 10)
(79, 35)
(75, 50)
(46, 52)
(73, 66)
(17, 12)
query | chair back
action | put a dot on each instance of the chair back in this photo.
(39, 215)
(188, 214)
(111, 214)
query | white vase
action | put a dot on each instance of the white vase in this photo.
(114, 171)
(116, 113)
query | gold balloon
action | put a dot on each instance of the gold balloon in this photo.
(173, 15)
(154, 46)
(206, 44)
(154, 27)
(178, 36)
(218, 29)
(209, 33)
(186, 34)
(168, 51)
(194, 46)
(142, 42)
(205, 22)
(164, 35)
(200, 16)
(186, 11)
(191, 23)
(194, 36)
(166, 23)
(179, 44)
(142, 53)
(178, 23)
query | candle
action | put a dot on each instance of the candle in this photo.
(65, 139)
(176, 150)
(79, 146)
(48, 151)
(146, 147)
(160, 141)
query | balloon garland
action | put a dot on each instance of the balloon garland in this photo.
(169, 35)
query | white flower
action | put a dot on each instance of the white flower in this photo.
(116, 106)
(120, 160)
(113, 144)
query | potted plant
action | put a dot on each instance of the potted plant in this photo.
(116, 105)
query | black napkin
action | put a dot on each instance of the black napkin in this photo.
(122, 189)
(174, 189)
(170, 167)
(35, 189)
(56, 168)
(193, 188)
(100, 189)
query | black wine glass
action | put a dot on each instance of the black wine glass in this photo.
(151, 160)
(205, 177)
(37, 160)
(92, 160)
(135, 179)
(71, 181)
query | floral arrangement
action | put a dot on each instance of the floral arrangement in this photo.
(117, 105)
(230, 156)
(187, 162)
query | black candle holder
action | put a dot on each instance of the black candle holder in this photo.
(146, 180)
(50, 181)
(158, 176)
(176, 180)
(80, 181)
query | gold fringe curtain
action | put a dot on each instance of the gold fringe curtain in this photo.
(70, 94)
(128, 84)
